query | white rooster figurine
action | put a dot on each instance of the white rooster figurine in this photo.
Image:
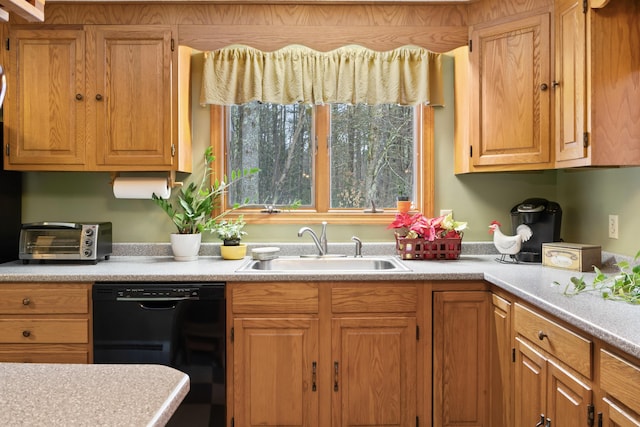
(509, 245)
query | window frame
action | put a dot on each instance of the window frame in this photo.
(424, 132)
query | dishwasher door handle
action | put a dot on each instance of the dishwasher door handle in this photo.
(158, 304)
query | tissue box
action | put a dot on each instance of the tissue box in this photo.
(571, 256)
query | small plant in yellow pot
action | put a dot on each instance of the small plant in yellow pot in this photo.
(231, 233)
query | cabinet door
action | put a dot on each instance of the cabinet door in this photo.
(509, 65)
(570, 80)
(545, 390)
(132, 97)
(501, 364)
(568, 398)
(45, 108)
(374, 371)
(529, 386)
(616, 415)
(460, 358)
(275, 368)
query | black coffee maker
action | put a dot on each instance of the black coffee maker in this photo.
(544, 219)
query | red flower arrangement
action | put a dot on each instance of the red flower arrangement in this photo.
(419, 226)
(419, 237)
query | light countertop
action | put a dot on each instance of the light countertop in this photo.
(89, 395)
(613, 322)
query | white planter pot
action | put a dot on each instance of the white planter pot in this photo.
(185, 247)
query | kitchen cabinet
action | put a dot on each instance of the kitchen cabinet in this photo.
(551, 383)
(620, 381)
(500, 363)
(461, 358)
(97, 98)
(374, 354)
(274, 354)
(597, 116)
(509, 69)
(44, 112)
(308, 354)
(45, 323)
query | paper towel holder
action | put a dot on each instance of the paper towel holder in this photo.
(171, 179)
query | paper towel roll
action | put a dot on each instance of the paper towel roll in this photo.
(126, 187)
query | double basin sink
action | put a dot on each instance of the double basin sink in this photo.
(324, 264)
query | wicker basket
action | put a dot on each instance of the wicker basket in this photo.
(449, 248)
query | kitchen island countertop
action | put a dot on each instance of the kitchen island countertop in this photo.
(610, 321)
(89, 395)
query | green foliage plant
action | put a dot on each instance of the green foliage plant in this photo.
(622, 286)
(231, 231)
(192, 209)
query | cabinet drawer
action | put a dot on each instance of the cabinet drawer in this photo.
(29, 356)
(374, 299)
(40, 331)
(281, 298)
(620, 379)
(44, 300)
(558, 341)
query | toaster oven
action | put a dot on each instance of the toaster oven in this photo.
(65, 241)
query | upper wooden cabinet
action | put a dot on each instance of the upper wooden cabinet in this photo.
(596, 89)
(44, 112)
(509, 66)
(100, 98)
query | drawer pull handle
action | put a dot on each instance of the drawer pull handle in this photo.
(336, 370)
(541, 422)
(26, 334)
(542, 335)
(26, 301)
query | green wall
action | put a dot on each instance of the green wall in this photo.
(586, 196)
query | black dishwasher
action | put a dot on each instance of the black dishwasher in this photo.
(173, 324)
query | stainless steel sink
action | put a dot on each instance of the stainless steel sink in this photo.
(325, 264)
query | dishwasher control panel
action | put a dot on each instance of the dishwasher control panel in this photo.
(155, 293)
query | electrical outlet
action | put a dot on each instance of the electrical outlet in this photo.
(444, 212)
(613, 226)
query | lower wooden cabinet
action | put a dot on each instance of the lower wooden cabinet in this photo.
(416, 354)
(500, 363)
(319, 354)
(620, 382)
(461, 358)
(552, 377)
(275, 371)
(45, 323)
(547, 394)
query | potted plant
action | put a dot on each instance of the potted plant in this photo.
(231, 233)
(403, 200)
(193, 209)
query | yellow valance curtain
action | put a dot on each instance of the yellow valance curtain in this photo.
(239, 74)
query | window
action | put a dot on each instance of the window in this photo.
(334, 159)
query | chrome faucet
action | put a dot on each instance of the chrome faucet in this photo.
(321, 243)
(358, 247)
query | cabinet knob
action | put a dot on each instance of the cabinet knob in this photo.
(98, 97)
(544, 87)
(26, 301)
(542, 335)
(555, 84)
(79, 96)
(26, 334)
